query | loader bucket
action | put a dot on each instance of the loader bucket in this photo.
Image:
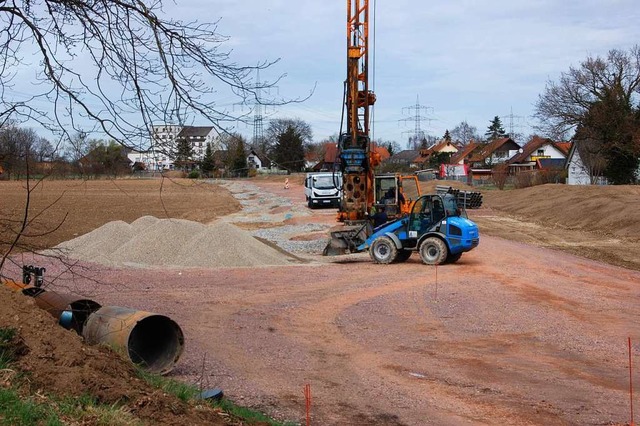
(347, 240)
(335, 247)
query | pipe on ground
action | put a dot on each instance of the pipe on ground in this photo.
(155, 342)
(70, 310)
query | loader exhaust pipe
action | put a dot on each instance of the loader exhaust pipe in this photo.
(155, 342)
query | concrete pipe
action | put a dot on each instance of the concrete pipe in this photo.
(70, 310)
(155, 342)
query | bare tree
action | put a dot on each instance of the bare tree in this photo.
(117, 65)
(17, 146)
(464, 133)
(279, 126)
(563, 105)
(598, 99)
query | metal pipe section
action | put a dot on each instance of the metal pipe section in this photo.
(155, 342)
(70, 310)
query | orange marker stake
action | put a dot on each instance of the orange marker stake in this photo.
(307, 402)
(630, 382)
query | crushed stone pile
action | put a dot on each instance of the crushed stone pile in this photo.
(149, 241)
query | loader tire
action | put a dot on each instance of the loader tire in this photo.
(433, 251)
(383, 250)
(403, 255)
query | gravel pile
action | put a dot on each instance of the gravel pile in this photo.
(149, 241)
(256, 205)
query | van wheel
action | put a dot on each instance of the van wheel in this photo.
(309, 203)
(383, 250)
(433, 251)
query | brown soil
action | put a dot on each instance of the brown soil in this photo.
(56, 363)
(511, 334)
(62, 210)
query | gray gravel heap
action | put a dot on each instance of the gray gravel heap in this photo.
(149, 241)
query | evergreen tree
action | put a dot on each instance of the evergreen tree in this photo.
(495, 130)
(183, 154)
(447, 136)
(208, 164)
(289, 150)
(239, 158)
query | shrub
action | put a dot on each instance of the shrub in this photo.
(194, 174)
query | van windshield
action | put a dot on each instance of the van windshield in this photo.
(324, 182)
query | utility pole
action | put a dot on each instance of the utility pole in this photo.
(415, 115)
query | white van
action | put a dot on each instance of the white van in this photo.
(323, 189)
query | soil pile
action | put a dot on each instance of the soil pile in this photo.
(149, 241)
(610, 210)
(59, 364)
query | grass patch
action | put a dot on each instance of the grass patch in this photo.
(18, 411)
(186, 392)
(182, 391)
(7, 349)
(246, 414)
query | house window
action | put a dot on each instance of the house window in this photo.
(541, 152)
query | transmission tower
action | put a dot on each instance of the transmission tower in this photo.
(512, 122)
(258, 125)
(415, 115)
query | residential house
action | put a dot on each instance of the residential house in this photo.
(578, 172)
(496, 152)
(464, 153)
(481, 158)
(443, 146)
(537, 149)
(258, 162)
(406, 157)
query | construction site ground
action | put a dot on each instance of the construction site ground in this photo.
(531, 327)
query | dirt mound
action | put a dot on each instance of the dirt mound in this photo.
(611, 210)
(149, 241)
(59, 364)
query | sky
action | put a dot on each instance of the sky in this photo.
(459, 59)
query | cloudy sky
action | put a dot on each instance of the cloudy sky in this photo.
(464, 59)
(460, 59)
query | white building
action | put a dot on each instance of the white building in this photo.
(578, 172)
(164, 139)
(199, 137)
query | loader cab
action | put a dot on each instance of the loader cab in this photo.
(428, 212)
(394, 192)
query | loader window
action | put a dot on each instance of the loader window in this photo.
(410, 188)
(438, 210)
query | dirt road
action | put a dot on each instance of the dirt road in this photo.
(511, 334)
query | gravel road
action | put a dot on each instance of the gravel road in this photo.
(511, 334)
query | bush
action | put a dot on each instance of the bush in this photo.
(499, 176)
(523, 179)
(194, 174)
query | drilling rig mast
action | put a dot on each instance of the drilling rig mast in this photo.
(354, 145)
